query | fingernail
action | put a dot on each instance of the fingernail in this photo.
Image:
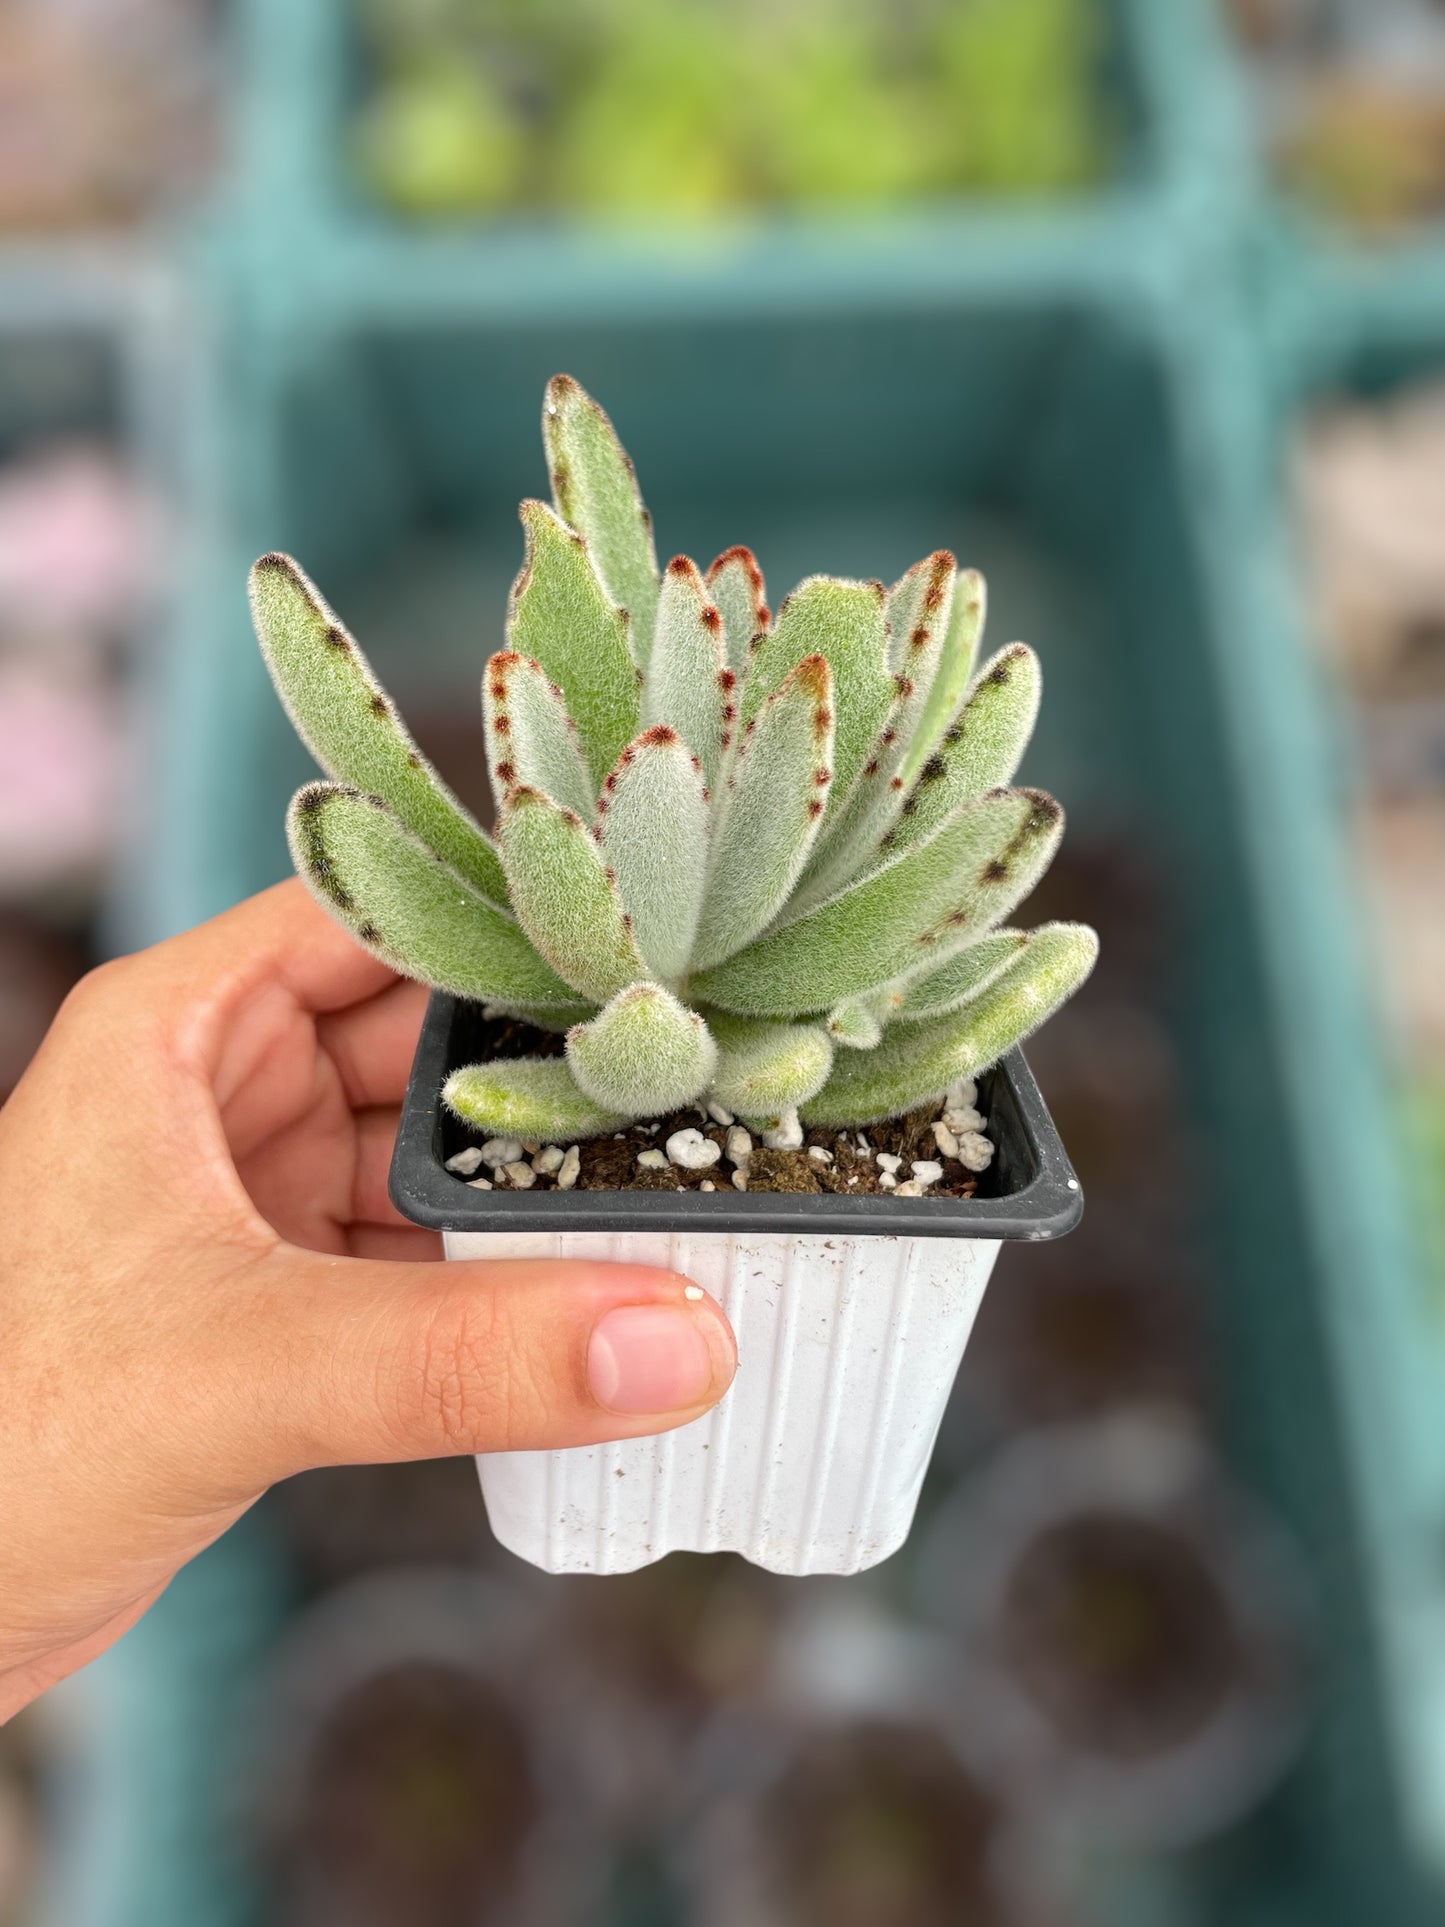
(648, 1358)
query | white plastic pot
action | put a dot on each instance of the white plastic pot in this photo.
(851, 1316)
(813, 1461)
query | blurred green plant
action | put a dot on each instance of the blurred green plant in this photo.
(698, 106)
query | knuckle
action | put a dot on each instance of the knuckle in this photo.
(475, 1385)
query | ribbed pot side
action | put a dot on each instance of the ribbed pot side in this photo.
(812, 1463)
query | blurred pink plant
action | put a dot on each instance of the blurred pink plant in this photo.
(79, 543)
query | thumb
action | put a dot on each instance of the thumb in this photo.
(370, 1361)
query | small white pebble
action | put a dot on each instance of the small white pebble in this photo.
(653, 1128)
(618, 1136)
(887, 1161)
(945, 1140)
(479, 1184)
(547, 1160)
(693, 1151)
(707, 1185)
(786, 1134)
(960, 1094)
(719, 1113)
(571, 1169)
(975, 1153)
(911, 1189)
(498, 1151)
(694, 1292)
(853, 1179)
(465, 1162)
(927, 1170)
(653, 1159)
(520, 1174)
(962, 1119)
(864, 1146)
(740, 1180)
(819, 1156)
(739, 1146)
(887, 1182)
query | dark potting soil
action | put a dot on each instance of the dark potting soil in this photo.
(610, 1163)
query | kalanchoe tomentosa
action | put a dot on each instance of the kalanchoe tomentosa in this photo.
(759, 858)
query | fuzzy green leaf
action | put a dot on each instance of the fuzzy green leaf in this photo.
(766, 1068)
(846, 623)
(981, 863)
(406, 906)
(595, 488)
(735, 583)
(644, 1055)
(534, 1097)
(980, 751)
(564, 896)
(919, 607)
(768, 815)
(689, 685)
(561, 617)
(654, 816)
(530, 737)
(857, 1022)
(917, 1062)
(935, 992)
(350, 725)
(954, 672)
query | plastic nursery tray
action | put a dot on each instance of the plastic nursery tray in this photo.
(1029, 1191)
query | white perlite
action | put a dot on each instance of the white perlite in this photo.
(479, 1184)
(740, 1180)
(692, 1151)
(719, 1113)
(547, 1160)
(819, 1155)
(962, 1121)
(960, 1094)
(975, 1153)
(520, 1174)
(945, 1140)
(739, 1147)
(927, 1170)
(500, 1151)
(707, 1185)
(911, 1189)
(653, 1160)
(786, 1134)
(465, 1162)
(887, 1182)
(571, 1169)
(887, 1161)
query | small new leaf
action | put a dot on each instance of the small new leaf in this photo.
(981, 749)
(766, 1068)
(689, 686)
(954, 672)
(735, 583)
(644, 1055)
(917, 1062)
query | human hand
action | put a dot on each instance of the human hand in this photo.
(204, 1287)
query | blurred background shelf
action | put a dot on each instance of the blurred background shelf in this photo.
(1097, 396)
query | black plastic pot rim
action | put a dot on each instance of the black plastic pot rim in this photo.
(1046, 1202)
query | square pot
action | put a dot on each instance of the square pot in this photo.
(851, 1316)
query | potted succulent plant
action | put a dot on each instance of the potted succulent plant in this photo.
(726, 993)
